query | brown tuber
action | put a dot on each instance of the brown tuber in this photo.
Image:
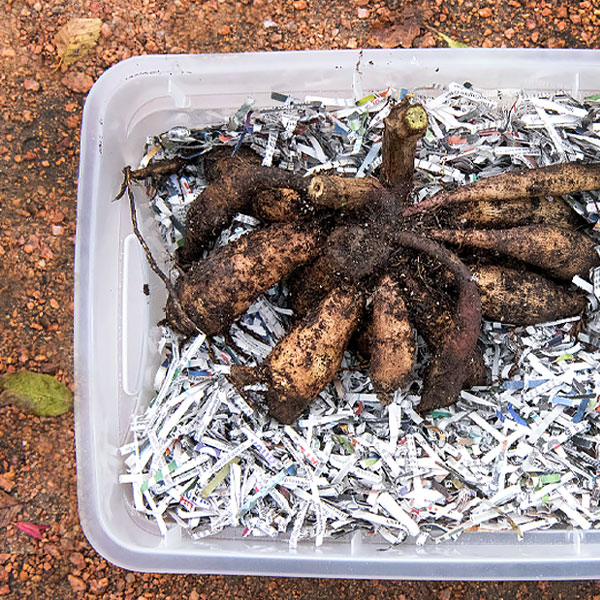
(218, 290)
(496, 214)
(306, 360)
(392, 339)
(524, 298)
(554, 180)
(280, 205)
(235, 180)
(448, 367)
(560, 252)
(429, 311)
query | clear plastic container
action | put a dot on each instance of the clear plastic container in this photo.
(115, 322)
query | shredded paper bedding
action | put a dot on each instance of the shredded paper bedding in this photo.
(518, 455)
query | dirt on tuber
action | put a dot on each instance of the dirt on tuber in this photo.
(561, 253)
(218, 290)
(392, 339)
(524, 298)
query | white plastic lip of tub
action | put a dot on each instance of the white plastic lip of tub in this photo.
(115, 330)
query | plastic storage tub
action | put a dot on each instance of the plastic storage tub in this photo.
(115, 323)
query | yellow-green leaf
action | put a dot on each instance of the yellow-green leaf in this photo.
(451, 43)
(38, 393)
(76, 39)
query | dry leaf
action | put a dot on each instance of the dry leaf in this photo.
(402, 33)
(77, 82)
(6, 481)
(9, 508)
(76, 39)
(33, 529)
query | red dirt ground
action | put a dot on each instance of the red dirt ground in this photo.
(41, 111)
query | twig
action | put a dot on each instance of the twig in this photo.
(181, 314)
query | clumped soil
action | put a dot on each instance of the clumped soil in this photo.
(39, 152)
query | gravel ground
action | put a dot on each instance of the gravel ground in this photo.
(41, 111)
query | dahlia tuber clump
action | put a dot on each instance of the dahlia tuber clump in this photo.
(358, 256)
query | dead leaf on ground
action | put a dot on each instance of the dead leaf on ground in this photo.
(9, 508)
(76, 39)
(33, 529)
(77, 81)
(6, 481)
(401, 32)
(397, 34)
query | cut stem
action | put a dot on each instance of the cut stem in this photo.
(404, 126)
(333, 191)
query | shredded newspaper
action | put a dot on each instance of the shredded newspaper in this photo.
(519, 455)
